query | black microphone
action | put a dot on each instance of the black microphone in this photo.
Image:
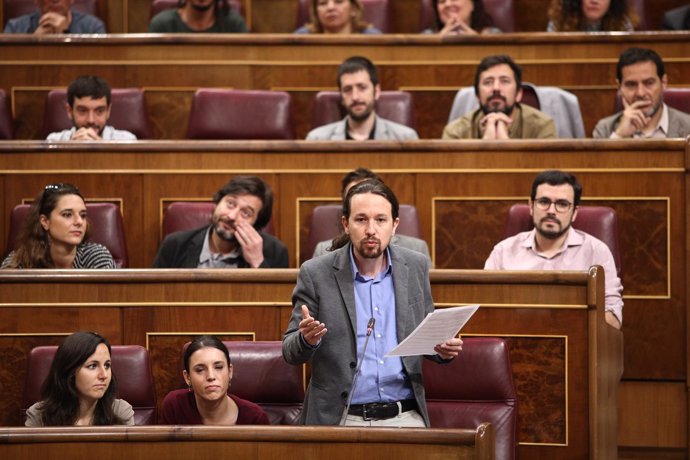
(370, 328)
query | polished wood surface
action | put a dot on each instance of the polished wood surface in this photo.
(567, 404)
(170, 68)
(246, 442)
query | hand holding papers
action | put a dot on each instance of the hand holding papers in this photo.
(436, 328)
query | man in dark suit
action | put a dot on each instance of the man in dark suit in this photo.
(334, 299)
(233, 239)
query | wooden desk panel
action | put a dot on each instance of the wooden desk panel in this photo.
(555, 315)
(246, 442)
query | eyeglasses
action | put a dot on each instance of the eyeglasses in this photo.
(545, 203)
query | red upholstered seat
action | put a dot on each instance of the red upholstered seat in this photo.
(107, 228)
(14, 8)
(128, 112)
(502, 13)
(131, 368)
(240, 114)
(325, 225)
(474, 388)
(396, 106)
(261, 375)
(678, 98)
(599, 221)
(6, 121)
(188, 215)
(159, 5)
(376, 12)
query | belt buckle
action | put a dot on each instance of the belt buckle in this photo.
(365, 417)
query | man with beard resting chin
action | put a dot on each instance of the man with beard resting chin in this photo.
(88, 106)
(234, 238)
(498, 86)
(641, 80)
(554, 244)
(206, 16)
(358, 82)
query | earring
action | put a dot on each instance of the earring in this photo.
(189, 387)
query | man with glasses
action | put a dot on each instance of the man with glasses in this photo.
(554, 245)
(233, 239)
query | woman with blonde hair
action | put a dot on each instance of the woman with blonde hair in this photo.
(336, 17)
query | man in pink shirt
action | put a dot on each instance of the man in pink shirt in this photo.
(554, 245)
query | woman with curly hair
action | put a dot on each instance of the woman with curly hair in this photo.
(55, 234)
(336, 17)
(80, 387)
(591, 16)
(461, 17)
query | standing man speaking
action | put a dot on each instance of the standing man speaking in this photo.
(334, 301)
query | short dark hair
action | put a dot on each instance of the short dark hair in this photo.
(556, 177)
(204, 341)
(492, 61)
(250, 185)
(634, 55)
(88, 86)
(355, 64)
(358, 175)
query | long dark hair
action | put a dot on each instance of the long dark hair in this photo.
(367, 186)
(60, 397)
(479, 20)
(567, 16)
(33, 242)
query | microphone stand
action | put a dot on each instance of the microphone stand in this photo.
(370, 328)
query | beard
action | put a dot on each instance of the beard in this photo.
(370, 253)
(490, 108)
(552, 234)
(202, 8)
(362, 115)
(98, 128)
(653, 109)
(223, 234)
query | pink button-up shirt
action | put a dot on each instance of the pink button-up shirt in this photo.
(579, 252)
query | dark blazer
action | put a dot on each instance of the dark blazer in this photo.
(182, 250)
(325, 285)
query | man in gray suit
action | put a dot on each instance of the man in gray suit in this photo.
(334, 299)
(358, 82)
(350, 180)
(641, 83)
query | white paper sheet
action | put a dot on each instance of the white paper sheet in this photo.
(437, 327)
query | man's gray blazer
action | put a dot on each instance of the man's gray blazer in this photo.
(325, 285)
(384, 130)
(678, 125)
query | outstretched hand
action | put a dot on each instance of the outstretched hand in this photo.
(312, 330)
